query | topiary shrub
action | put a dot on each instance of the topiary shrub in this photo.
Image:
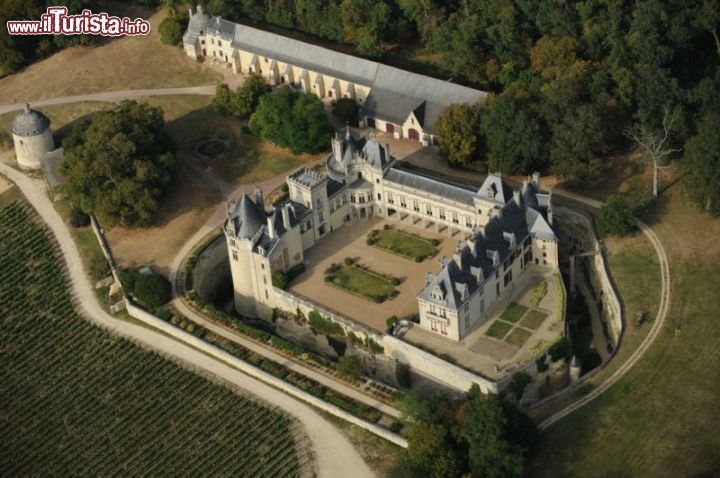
(152, 290)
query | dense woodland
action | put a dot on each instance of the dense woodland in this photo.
(567, 77)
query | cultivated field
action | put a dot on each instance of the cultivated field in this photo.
(661, 418)
(78, 401)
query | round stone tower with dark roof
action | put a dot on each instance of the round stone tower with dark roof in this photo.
(32, 137)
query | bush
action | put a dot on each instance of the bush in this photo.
(351, 367)
(395, 281)
(349, 261)
(152, 291)
(373, 346)
(559, 350)
(418, 258)
(370, 241)
(172, 28)
(346, 110)
(434, 242)
(518, 383)
(78, 218)
(321, 325)
(541, 363)
(163, 314)
(378, 299)
(391, 321)
(386, 226)
(279, 279)
(99, 267)
(243, 101)
(616, 218)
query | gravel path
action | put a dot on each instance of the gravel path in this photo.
(334, 454)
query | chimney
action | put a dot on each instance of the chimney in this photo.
(199, 9)
(386, 146)
(536, 180)
(259, 200)
(271, 225)
(286, 216)
(190, 12)
(516, 196)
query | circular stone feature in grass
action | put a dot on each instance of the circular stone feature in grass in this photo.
(212, 147)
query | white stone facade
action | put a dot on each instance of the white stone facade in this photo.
(499, 231)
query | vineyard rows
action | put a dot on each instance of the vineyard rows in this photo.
(78, 401)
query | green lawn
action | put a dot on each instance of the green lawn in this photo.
(661, 418)
(518, 337)
(533, 319)
(514, 312)
(498, 329)
(362, 282)
(404, 243)
(78, 400)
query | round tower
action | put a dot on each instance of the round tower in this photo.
(32, 138)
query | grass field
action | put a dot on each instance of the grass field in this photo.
(248, 159)
(513, 312)
(362, 282)
(661, 418)
(119, 64)
(533, 319)
(518, 337)
(77, 401)
(498, 330)
(403, 243)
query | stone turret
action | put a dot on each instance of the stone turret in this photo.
(32, 138)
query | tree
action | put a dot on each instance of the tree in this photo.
(118, 165)
(243, 101)
(653, 144)
(431, 450)
(172, 28)
(415, 406)
(351, 367)
(366, 24)
(295, 121)
(515, 140)
(151, 290)
(346, 110)
(484, 430)
(577, 140)
(459, 129)
(701, 164)
(615, 218)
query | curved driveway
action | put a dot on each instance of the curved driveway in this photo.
(334, 455)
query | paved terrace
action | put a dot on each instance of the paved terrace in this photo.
(350, 241)
(480, 353)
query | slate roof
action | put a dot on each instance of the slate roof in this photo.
(394, 94)
(428, 185)
(334, 187)
(501, 192)
(304, 55)
(30, 122)
(198, 22)
(473, 261)
(247, 217)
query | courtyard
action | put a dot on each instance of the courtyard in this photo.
(519, 328)
(351, 241)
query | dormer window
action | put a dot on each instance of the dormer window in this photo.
(491, 192)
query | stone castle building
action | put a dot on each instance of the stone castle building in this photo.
(507, 231)
(32, 138)
(392, 100)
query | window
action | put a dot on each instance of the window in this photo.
(267, 297)
(266, 60)
(235, 257)
(402, 201)
(455, 218)
(467, 321)
(441, 213)
(262, 266)
(416, 205)
(433, 326)
(390, 198)
(468, 221)
(377, 180)
(265, 280)
(428, 210)
(443, 329)
(212, 40)
(379, 196)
